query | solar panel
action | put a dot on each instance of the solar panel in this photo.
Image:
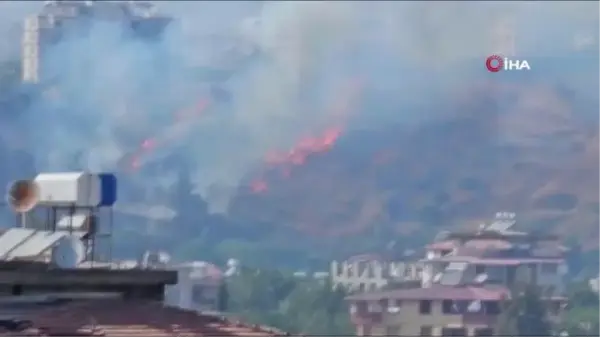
(451, 277)
(502, 225)
(36, 244)
(12, 238)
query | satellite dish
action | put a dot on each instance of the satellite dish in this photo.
(69, 252)
(23, 195)
(437, 278)
(441, 236)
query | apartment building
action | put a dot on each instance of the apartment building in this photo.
(435, 311)
(60, 19)
(497, 255)
(371, 272)
(464, 278)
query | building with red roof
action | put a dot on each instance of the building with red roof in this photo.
(465, 277)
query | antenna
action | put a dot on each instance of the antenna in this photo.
(69, 252)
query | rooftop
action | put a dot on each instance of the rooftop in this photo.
(117, 317)
(36, 273)
(494, 260)
(501, 235)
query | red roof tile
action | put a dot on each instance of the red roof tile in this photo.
(437, 292)
(493, 261)
(134, 318)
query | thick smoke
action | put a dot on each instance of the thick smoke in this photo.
(105, 95)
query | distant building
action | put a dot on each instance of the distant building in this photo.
(496, 255)
(197, 288)
(594, 284)
(372, 272)
(464, 278)
(59, 19)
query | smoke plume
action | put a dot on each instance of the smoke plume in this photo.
(105, 97)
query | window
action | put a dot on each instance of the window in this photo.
(426, 330)
(451, 307)
(197, 293)
(394, 306)
(361, 306)
(447, 306)
(374, 306)
(203, 296)
(491, 307)
(549, 268)
(425, 307)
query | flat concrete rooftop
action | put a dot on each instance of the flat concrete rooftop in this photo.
(31, 273)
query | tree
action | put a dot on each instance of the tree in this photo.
(292, 304)
(192, 217)
(581, 317)
(524, 314)
(581, 296)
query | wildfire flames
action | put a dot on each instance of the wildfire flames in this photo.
(310, 145)
(180, 119)
(284, 161)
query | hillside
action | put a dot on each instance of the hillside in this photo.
(531, 149)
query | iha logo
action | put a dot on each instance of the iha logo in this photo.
(495, 63)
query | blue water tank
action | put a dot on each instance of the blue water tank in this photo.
(108, 189)
(76, 189)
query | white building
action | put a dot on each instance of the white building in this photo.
(197, 287)
(372, 272)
